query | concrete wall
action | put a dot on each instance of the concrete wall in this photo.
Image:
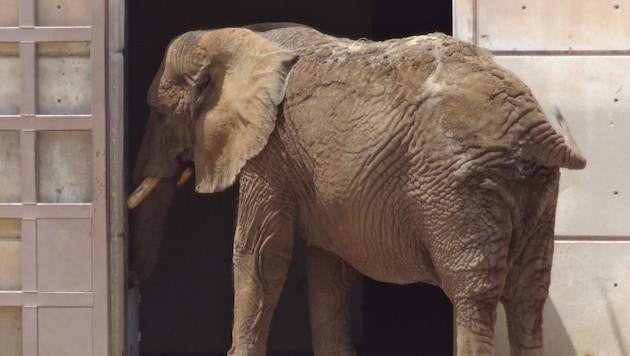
(575, 55)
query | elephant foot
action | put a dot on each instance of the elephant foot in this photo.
(526, 352)
(472, 344)
(247, 350)
(336, 352)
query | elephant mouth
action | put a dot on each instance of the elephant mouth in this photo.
(149, 183)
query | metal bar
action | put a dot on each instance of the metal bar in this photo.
(27, 13)
(464, 19)
(48, 299)
(46, 34)
(49, 211)
(117, 192)
(45, 122)
(29, 255)
(591, 239)
(28, 68)
(28, 107)
(30, 327)
(561, 53)
(99, 56)
(29, 261)
(11, 298)
(57, 299)
(475, 29)
(28, 157)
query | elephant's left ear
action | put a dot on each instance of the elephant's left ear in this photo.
(234, 102)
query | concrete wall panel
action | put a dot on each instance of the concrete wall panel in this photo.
(553, 25)
(10, 255)
(65, 86)
(65, 166)
(11, 331)
(65, 331)
(594, 96)
(64, 249)
(9, 13)
(63, 12)
(10, 168)
(10, 83)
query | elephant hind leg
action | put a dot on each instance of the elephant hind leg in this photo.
(526, 289)
(330, 281)
(470, 254)
(475, 294)
(475, 319)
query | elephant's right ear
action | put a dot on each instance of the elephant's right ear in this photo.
(233, 101)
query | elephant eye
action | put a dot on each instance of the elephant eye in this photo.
(161, 118)
(202, 84)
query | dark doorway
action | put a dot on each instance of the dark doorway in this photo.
(186, 306)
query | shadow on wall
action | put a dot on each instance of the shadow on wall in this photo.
(557, 340)
(622, 339)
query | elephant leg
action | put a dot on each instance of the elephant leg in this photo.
(330, 281)
(263, 247)
(472, 265)
(526, 291)
(475, 318)
(258, 281)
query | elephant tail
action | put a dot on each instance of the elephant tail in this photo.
(553, 149)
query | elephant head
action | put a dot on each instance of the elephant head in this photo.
(213, 102)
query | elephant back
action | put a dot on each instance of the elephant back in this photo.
(463, 108)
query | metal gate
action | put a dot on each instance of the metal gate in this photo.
(54, 290)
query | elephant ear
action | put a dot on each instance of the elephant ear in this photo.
(234, 102)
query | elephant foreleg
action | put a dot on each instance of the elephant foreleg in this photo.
(330, 281)
(262, 253)
(258, 281)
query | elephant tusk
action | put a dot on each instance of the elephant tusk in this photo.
(184, 177)
(142, 192)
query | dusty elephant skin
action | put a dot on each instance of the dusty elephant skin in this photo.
(411, 160)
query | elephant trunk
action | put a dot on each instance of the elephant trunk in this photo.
(146, 223)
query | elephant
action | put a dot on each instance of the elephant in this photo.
(409, 160)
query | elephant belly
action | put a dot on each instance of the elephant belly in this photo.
(387, 256)
(402, 265)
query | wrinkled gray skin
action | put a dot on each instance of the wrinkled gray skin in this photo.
(410, 160)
